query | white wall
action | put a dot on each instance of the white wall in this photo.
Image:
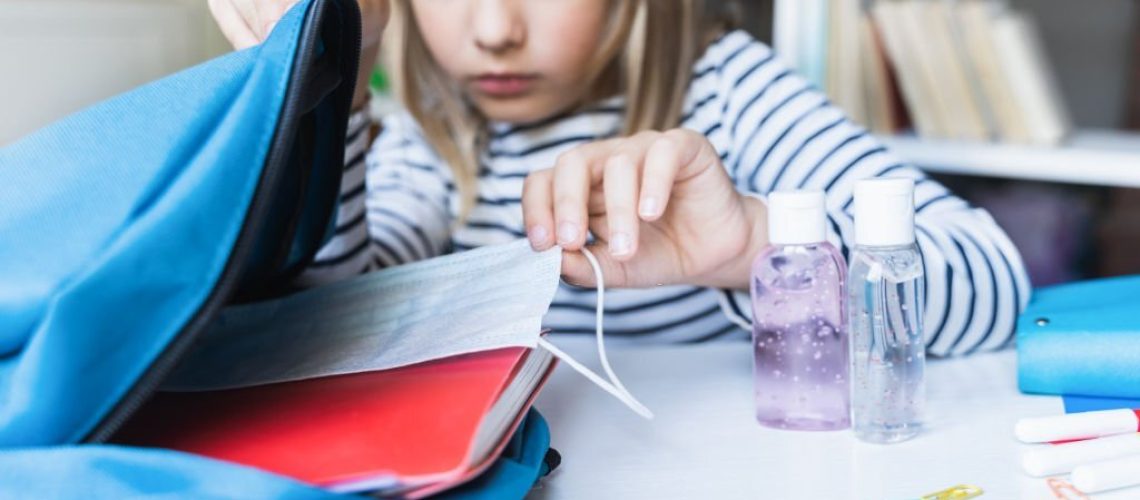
(57, 56)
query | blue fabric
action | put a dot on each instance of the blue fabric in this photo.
(1082, 339)
(516, 471)
(123, 217)
(94, 471)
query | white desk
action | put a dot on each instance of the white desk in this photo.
(705, 442)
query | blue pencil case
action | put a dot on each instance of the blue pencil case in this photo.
(1082, 339)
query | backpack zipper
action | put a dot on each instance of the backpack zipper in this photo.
(150, 381)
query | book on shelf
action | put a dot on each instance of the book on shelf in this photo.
(964, 70)
(800, 36)
(965, 118)
(903, 46)
(1035, 89)
(845, 82)
(884, 109)
(976, 23)
(821, 39)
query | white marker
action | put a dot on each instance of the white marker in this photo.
(1061, 459)
(1108, 475)
(1074, 426)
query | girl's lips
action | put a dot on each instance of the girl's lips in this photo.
(504, 84)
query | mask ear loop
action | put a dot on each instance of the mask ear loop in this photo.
(616, 389)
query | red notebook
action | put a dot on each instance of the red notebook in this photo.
(429, 426)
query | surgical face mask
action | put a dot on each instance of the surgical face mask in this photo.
(484, 299)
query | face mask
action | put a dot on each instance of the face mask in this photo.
(484, 299)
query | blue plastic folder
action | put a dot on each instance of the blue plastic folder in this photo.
(1082, 339)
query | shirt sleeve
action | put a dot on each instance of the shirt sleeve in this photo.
(778, 132)
(348, 252)
(393, 205)
(409, 196)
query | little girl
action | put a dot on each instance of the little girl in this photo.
(643, 128)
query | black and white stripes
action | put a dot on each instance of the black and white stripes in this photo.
(773, 130)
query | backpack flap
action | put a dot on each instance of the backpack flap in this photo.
(299, 214)
(126, 226)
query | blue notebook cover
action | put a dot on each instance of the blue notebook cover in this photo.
(1082, 339)
(1080, 404)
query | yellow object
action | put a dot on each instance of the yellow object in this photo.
(959, 492)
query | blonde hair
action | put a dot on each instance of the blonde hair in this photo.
(646, 54)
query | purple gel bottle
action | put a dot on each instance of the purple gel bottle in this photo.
(799, 328)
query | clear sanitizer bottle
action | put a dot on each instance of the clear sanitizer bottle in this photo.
(799, 335)
(885, 293)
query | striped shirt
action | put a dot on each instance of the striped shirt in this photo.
(773, 131)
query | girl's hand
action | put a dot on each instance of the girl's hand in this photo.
(660, 205)
(246, 23)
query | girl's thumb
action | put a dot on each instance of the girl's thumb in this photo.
(576, 268)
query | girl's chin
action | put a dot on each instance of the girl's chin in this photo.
(520, 109)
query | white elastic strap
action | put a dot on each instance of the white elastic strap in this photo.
(614, 385)
(730, 311)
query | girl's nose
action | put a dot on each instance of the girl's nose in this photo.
(498, 25)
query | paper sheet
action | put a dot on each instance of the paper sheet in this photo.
(482, 299)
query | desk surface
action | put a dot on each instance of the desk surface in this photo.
(705, 442)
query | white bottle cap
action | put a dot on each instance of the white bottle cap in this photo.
(884, 212)
(796, 218)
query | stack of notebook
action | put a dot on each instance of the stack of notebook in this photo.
(409, 431)
(399, 382)
(1082, 339)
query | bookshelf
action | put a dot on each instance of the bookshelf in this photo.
(1098, 157)
(964, 87)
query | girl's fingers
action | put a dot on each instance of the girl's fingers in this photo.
(622, 178)
(576, 269)
(597, 202)
(571, 191)
(256, 13)
(695, 155)
(374, 14)
(537, 206)
(273, 13)
(600, 227)
(660, 171)
(233, 24)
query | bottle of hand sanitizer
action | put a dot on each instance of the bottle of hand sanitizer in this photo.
(799, 332)
(885, 295)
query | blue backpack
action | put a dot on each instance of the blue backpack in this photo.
(125, 228)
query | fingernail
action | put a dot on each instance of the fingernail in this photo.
(620, 244)
(649, 206)
(537, 236)
(567, 232)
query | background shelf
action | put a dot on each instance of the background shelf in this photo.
(1092, 157)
